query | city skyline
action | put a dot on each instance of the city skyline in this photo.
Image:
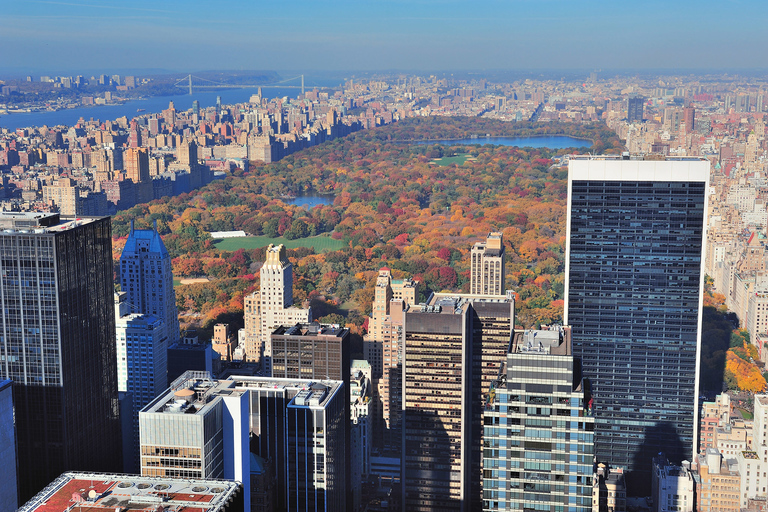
(343, 35)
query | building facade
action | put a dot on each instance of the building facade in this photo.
(271, 307)
(147, 277)
(538, 445)
(8, 493)
(59, 344)
(633, 297)
(487, 271)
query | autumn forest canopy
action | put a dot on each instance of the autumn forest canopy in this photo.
(392, 206)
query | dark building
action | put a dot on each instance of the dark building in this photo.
(58, 344)
(311, 351)
(634, 277)
(453, 349)
(635, 109)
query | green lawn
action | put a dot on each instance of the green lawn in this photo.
(176, 282)
(319, 242)
(448, 160)
(745, 414)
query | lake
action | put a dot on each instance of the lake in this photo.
(549, 141)
(309, 201)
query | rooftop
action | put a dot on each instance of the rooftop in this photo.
(39, 222)
(311, 329)
(99, 491)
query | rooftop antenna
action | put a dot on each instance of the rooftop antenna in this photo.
(131, 226)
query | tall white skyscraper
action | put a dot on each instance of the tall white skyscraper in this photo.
(142, 364)
(146, 276)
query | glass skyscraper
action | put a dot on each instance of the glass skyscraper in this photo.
(633, 298)
(57, 344)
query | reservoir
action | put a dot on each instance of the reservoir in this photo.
(309, 201)
(548, 141)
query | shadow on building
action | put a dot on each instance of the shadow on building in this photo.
(428, 457)
(662, 437)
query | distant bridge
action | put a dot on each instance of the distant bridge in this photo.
(186, 82)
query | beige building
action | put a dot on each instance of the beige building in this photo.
(381, 347)
(488, 271)
(223, 342)
(609, 490)
(718, 484)
(271, 307)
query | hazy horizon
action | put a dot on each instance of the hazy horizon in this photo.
(343, 36)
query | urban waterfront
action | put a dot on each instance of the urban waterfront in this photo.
(136, 107)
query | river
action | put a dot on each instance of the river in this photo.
(70, 117)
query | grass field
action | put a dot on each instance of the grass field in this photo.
(320, 243)
(176, 282)
(745, 414)
(448, 160)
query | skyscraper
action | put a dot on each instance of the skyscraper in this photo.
(633, 297)
(487, 269)
(58, 344)
(142, 367)
(453, 348)
(635, 109)
(271, 307)
(146, 276)
(538, 439)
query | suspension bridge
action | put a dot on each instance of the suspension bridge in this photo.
(186, 82)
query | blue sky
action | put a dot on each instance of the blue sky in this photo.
(428, 35)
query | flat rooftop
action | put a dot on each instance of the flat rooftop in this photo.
(192, 393)
(39, 222)
(98, 491)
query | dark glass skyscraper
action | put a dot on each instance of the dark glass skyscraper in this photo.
(634, 285)
(57, 344)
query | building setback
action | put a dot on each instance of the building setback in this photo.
(633, 297)
(58, 344)
(146, 276)
(538, 442)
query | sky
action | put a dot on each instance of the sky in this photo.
(366, 35)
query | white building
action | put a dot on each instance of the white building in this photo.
(142, 365)
(672, 486)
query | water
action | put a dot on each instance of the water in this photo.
(549, 141)
(309, 201)
(181, 101)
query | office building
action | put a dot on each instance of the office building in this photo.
(635, 109)
(301, 427)
(360, 428)
(445, 344)
(719, 483)
(633, 297)
(488, 273)
(538, 429)
(59, 344)
(146, 276)
(311, 351)
(142, 366)
(8, 494)
(190, 354)
(197, 429)
(112, 492)
(271, 307)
